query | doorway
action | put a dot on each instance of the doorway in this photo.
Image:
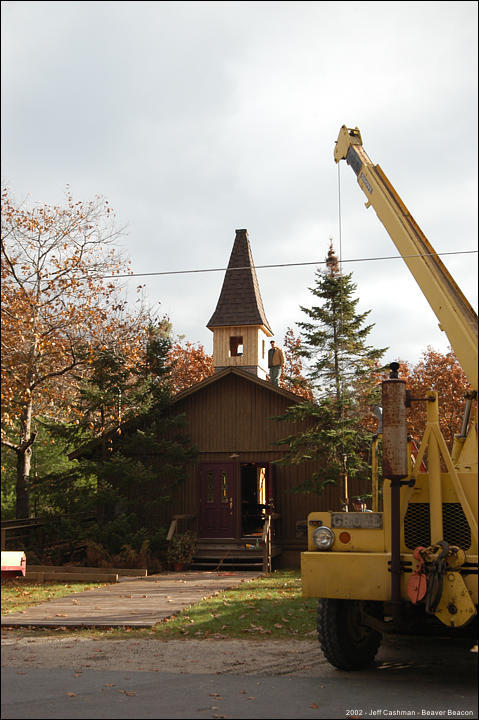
(255, 497)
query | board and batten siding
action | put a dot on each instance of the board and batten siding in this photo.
(235, 416)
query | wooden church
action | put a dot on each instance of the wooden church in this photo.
(238, 500)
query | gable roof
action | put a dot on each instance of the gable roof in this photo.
(242, 374)
(216, 377)
(240, 300)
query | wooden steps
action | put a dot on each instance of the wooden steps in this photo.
(244, 554)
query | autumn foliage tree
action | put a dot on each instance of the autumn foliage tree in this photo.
(189, 365)
(56, 306)
(292, 377)
(442, 373)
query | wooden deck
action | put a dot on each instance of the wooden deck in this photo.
(132, 602)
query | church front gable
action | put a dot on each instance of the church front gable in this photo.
(235, 414)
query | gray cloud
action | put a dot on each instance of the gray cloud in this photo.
(197, 118)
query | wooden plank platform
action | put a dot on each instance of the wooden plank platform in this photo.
(132, 602)
(76, 573)
(131, 572)
(42, 576)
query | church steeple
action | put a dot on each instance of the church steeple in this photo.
(239, 323)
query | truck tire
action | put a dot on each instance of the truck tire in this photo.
(346, 643)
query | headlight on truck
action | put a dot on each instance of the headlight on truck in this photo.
(323, 538)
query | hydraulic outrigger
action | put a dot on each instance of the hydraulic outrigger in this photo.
(384, 571)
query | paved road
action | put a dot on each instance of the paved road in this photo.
(426, 678)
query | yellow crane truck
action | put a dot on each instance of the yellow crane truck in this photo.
(414, 564)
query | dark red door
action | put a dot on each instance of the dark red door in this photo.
(217, 499)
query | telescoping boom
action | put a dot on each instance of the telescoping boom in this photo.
(456, 316)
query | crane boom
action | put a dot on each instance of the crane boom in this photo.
(456, 316)
(363, 568)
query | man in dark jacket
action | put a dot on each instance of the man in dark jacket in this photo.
(275, 362)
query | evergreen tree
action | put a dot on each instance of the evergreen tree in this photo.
(129, 442)
(334, 337)
(341, 370)
(117, 390)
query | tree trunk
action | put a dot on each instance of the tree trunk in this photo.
(23, 483)
(24, 461)
(337, 371)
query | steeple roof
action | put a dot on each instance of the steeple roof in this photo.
(240, 300)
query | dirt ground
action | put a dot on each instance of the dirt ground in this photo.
(179, 656)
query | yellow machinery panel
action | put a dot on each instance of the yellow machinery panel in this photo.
(358, 576)
(362, 575)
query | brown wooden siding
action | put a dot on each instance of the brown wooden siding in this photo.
(235, 416)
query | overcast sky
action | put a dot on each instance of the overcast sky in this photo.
(197, 118)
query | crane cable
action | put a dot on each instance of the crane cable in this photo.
(341, 327)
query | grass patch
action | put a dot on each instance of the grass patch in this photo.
(20, 594)
(266, 607)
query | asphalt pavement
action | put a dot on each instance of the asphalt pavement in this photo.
(425, 679)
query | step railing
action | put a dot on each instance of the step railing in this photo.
(174, 524)
(267, 541)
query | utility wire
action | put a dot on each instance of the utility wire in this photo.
(279, 265)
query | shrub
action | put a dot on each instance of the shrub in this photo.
(182, 548)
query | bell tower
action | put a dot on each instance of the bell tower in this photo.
(239, 325)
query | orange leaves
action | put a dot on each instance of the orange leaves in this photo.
(190, 364)
(443, 374)
(291, 377)
(49, 311)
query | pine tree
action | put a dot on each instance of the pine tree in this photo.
(341, 370)
(334, 338)
(146, 455)
(132, 443)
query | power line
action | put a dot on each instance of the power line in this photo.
(278, 265)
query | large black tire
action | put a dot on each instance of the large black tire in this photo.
(346, 643)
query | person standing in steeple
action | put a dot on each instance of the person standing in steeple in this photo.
(275, 362)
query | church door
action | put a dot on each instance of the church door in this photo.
(217, 498)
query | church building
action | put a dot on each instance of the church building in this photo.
(231, 417)
(237, 498)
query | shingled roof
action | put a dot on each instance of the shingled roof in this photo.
(240, 300)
